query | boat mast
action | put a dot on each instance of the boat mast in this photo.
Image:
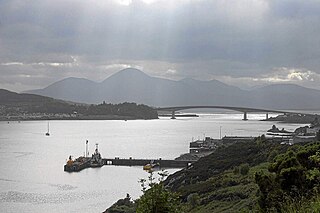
(87, 153)
(47, 133)
(97, 148)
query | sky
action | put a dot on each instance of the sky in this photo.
(245, 43)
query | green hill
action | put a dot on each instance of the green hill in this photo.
(259, 176)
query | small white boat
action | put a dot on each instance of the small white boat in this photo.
(48, 133)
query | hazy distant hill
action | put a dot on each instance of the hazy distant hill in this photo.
(132, 85)
(12, 103)
(75, 89)
(286, 96)
(12, 98)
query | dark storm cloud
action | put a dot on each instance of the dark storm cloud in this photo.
(202, 39)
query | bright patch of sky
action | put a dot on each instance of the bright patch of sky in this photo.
(241, 42)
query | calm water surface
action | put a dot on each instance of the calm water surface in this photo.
(32, 177)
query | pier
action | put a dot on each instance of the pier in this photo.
(141, 162)
(87, 163)
(96, 160)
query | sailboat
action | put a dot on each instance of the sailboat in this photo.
(47, 133)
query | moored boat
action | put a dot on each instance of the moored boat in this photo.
(84, 162)
(150, 166)
(77, 164)
(48, 133)
(96, 160)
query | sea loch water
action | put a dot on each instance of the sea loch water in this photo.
(32, 177)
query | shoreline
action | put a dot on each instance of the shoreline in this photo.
(107, 117)
(179, 115)
(294, 118)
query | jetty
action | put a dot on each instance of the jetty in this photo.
(96, 160)
(141, 162)
(86, 163)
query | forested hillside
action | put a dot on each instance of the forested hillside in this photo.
(258, 176)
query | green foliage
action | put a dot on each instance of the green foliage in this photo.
(313, 175)
(226, 192)
(301, 205)
(236, 170)
(225, 158)
(125, 205)
(272, 155)
(193, 200)
(157, 199)
(244, 169)
(318, 136)
(216, 184)
(294, 175)
(218, 181)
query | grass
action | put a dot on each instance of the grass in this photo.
(227, 192)
(302, 206)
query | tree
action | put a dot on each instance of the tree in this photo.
(125, 205)
(244, 169)
(157, 199)
(194, 200)
(293, 176)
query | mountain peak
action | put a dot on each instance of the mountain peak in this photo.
(74, 79)
(128, 73)
(186, 80)
(131, 71)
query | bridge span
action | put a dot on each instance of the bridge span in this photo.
(244, 110)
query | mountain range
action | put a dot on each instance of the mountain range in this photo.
(133, 85)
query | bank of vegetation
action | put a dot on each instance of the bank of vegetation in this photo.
(244, 177)
(295, 118)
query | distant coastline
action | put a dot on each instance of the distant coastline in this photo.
(294, 118)
(84, 117)
(14, 106)
(178, 115)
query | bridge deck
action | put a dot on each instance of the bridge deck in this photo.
(244, 110)
(239, 109)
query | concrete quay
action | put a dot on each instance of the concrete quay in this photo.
(141, 162)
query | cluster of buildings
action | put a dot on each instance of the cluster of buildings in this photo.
(300, 135)
(36, 116)
(208, 145)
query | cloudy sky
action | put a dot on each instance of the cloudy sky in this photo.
(240, 42)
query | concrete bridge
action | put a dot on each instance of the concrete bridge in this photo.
(244, 110)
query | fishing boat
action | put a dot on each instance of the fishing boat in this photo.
(96, 160)
(85, 161)
(77, 164)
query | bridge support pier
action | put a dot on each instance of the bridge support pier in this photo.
(245, 116)
(173, 116)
